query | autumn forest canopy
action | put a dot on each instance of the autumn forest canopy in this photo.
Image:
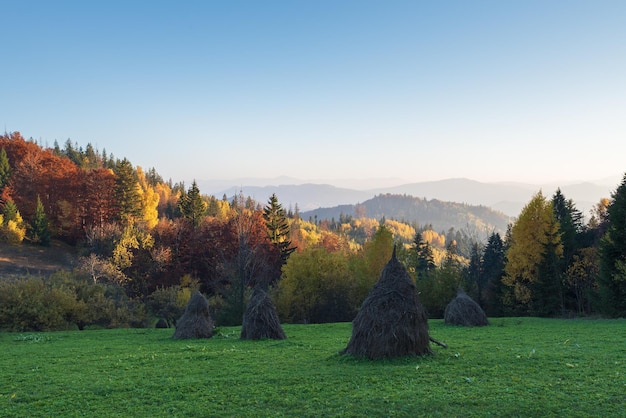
(144, 245)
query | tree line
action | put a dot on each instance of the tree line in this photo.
(146, 244)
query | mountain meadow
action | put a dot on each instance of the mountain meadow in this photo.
(514, 367)
(100, 261)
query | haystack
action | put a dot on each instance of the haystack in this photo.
(463, 310)
(260, 319)
(196, 321)
(391, 321)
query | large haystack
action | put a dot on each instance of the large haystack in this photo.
(463, 310)
(391, 321)
(260, 319)
(196, 321)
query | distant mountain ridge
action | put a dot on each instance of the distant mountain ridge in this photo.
(508, 198)
(476, 219)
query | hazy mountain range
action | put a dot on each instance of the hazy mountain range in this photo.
(508, 198)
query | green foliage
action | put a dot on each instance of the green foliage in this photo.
(192, 206)
(10, 212)
(422, 258)
(5, 169)
(40, 234)
(169, 303)
(65, 301)
(278, 227)
(127, 192)
(317, 286)
(438, 289)
(30, 304)
(612, 279)
(492, 271)
(517, 367)
(375, 255)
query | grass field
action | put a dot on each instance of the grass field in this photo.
(515, 367)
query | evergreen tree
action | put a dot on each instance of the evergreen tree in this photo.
(572, 233)
(192, 206)
(40, 231)
(424, 259)
(278, 227)
(492, 273)
(5, 168)
(474, 281)
(612, 279)
(10, 212)
(127, 191)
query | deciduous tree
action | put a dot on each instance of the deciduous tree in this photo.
(534, 248)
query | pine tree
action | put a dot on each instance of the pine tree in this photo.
(612, 279)
(278, 227)
(572, 234)
(425, 260)
(127, 192)
(10, 211)
(40, 231)
(5, 168)
(474, 281)
(192, 206)
(492, 272)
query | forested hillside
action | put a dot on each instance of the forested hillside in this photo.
(440, 216)
(143, 245)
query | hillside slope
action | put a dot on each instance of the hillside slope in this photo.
(441, 215)
(25, 259)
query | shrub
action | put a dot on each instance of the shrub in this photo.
(29, 304)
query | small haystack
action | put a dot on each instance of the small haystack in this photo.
(260, 319)
(196, 321)
(391, 321)
(463, 310)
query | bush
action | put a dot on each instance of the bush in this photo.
(29, 304)
(168, 303)
(65, 301)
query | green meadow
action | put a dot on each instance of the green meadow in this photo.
(514, 367)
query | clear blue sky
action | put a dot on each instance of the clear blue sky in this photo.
(500, 90)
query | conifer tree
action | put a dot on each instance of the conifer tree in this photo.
(492, 272)
(278, 227)
(10, 211)
(571, 230)
(5, 168)
(40, 231)
(612, 279)
(474, 279)
(127, 191)
(192, 206)
(425, 261)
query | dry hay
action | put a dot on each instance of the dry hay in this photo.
(260, 319)
(391, 321)
(161, 323)
(196, 321)
(463, 310)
